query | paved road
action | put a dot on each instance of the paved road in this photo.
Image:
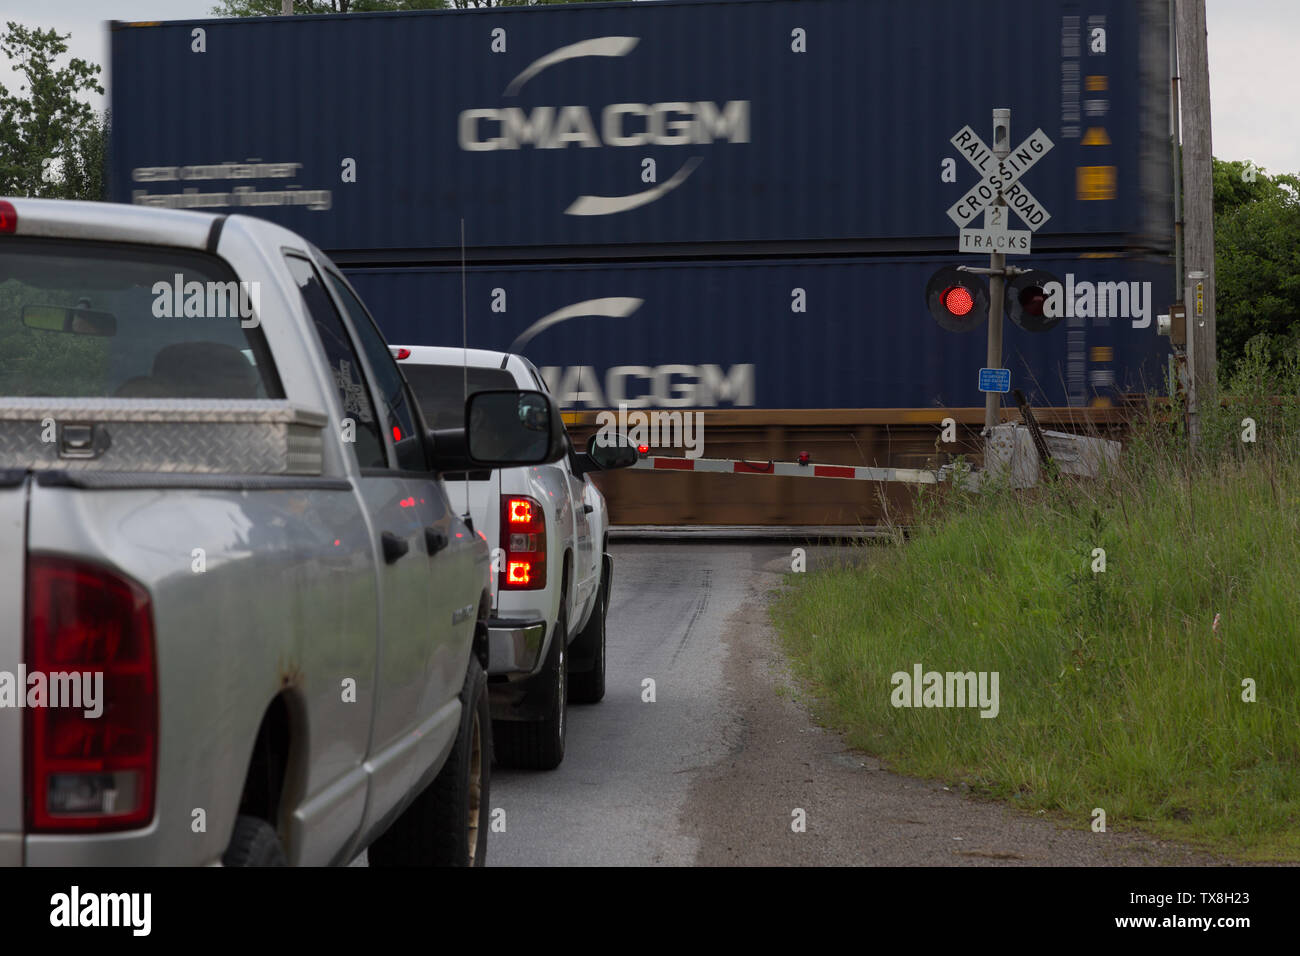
(712, 770)
(629, 763)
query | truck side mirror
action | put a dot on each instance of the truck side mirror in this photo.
(606, 455)
(510, 427)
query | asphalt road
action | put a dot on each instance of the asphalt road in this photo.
(713, 770)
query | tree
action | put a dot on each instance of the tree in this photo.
(51, 143)
(1257, 259)
(271, 8)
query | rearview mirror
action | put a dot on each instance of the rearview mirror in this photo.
(55, 318)
(508, 428)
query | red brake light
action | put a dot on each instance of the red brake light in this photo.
(8, 217)
(397, 433)
(958, 301)
(643, 449)
(523, 539)
(88, 770)
(400, 354)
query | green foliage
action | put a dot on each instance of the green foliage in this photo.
(271, 8)
(1257, 262)
(1118, 689)
(44, 125)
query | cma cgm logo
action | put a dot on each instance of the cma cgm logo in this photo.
(701, 122)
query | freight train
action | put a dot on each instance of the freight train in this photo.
(728, 206)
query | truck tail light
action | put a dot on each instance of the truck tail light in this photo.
(8, 217)
(523, 539)
(90, 763)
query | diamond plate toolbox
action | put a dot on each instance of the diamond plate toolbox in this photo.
(180, 436)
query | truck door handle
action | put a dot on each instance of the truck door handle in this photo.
(434, 540)
(588, 509)
(394, 546)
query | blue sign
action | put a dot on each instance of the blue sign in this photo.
(995, 380)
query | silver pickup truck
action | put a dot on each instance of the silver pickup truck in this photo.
(240, 621)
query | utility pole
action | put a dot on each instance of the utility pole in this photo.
(1198, 191)
(286, 8)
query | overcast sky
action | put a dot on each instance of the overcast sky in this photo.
(1254, 55)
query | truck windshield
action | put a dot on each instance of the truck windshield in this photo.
(104, 320)
(440, 389)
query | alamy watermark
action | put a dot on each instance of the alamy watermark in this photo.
(1100, 300)
(79, 690)
(179, 299)
(657, 429)
(950, 689)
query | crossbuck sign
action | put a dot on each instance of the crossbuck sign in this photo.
(998, 179)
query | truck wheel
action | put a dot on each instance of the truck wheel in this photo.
(447, 823)
(539, 744)
(254, 843)
(588, 686)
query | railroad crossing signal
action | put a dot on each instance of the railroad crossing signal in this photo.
(998, 190)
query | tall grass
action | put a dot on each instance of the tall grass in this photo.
(1118, 691)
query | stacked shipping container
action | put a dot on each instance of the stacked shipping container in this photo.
(710, 204)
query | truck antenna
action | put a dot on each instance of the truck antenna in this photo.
(464, 354)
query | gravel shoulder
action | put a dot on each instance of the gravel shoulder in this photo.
(740, 810)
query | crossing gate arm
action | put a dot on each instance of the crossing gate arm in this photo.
(787, 469)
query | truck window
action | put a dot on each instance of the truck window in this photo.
(440, 389)
(109, 320)
(348, 374)
(408, 439)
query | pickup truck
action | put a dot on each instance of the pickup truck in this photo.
(240, 621)
(549, 528)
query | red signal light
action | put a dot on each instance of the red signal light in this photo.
(958, 301)
(1028, 297)
(1032, 299)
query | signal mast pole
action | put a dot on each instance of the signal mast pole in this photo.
(997, 273)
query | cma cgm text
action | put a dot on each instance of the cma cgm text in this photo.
(621, 124)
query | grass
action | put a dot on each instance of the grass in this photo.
(1116, 690)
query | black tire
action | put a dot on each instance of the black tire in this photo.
(447, 825)
(254, 843)
(539, 744)
(588, 686)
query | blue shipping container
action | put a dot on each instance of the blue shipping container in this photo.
(647, 129)
(779, 334)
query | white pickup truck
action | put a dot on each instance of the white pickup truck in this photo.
(240, 621)
(549, 528)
